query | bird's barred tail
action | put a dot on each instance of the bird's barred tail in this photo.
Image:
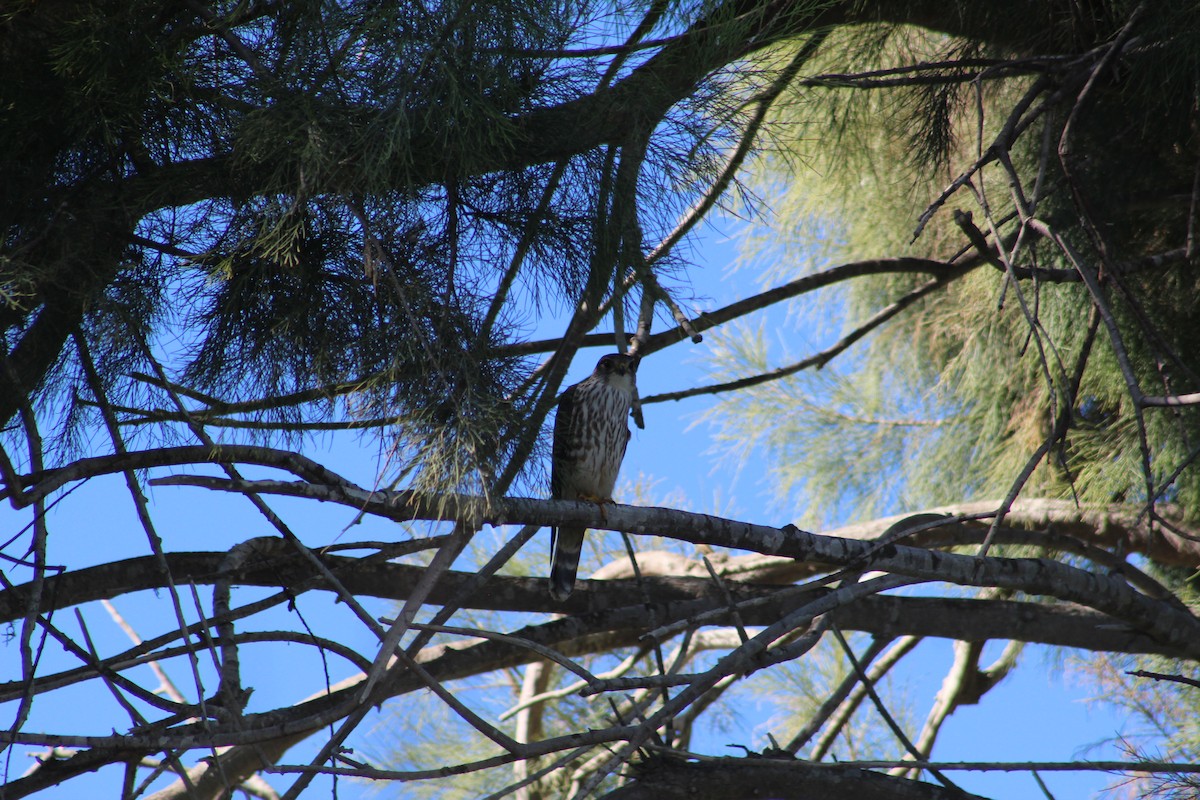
(565, 544)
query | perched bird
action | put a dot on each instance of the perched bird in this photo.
(590, 435)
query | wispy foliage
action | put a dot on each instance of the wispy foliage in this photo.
(874, 143)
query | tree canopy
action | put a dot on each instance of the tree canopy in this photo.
(233, 229)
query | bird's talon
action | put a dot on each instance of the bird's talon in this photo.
(600, 501)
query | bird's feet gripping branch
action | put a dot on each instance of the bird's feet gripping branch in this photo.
(600, 502)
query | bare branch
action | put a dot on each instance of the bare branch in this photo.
(820, 359)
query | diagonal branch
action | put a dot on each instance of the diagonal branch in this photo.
(822, 358)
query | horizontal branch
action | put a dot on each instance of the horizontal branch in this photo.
(1172, 400)
(42, 484)
(1169, 624)
(697, 778)
(602, 627)
(672, 778)
(949, 618)
(594, 632)
(1034, 766)
(1117, 526)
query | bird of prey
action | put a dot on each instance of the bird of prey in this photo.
(590, 435)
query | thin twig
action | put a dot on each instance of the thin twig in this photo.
(817, 360)
(1159, 676)
(882, 709)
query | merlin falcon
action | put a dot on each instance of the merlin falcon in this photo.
(590, 435)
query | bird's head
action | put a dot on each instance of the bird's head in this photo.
(617, 370)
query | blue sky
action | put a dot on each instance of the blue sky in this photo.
(1038, 714)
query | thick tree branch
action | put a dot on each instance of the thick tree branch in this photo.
(1172, 625)
(967, 620)
(674, 779)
